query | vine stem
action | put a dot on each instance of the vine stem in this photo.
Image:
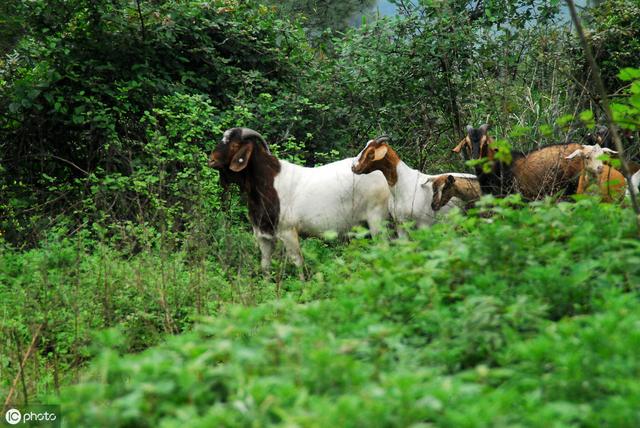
(602, 92)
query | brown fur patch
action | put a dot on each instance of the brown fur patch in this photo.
(366, 162)
(546, 171)
(255, 175)
(611, 184)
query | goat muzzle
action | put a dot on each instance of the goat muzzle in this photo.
(215, 164)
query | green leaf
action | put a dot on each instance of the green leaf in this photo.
(564, 120)
(546, 130)
(587, 118)
(629, 73)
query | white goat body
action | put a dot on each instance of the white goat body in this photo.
(411, 201)
(329, 198)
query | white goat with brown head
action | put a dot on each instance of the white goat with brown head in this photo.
(411, 191)
(591, 157)
(287, 200)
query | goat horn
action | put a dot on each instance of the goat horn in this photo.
(249, 133)
(382, 139)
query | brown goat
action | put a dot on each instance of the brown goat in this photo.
(611, 183)
(534, 174)
(447, 186)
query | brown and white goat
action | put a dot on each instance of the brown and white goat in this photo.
(447, 186)
(534, 174)
(610, 181)
(410, 199)
(603, 137)
(287, 200)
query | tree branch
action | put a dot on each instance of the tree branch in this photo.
(605, 106)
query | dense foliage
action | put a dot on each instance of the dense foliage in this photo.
(116, 236)
(615, 35)
(107, 107)
(528, 318)
(90, 132)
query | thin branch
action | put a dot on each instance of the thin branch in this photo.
(22, 364)
(67, 161)
(605, 106)
(142, 29)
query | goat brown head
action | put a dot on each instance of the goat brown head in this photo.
(377, 155)
(243, 158)
(369, 158)
(443, 190)
(235, 150)
(475, 144)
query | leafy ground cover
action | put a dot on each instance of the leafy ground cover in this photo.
(527, 318)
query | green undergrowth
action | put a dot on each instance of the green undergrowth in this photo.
(527, 317)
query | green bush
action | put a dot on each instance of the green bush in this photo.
(525, 318)
(94, 135)
(614, 33)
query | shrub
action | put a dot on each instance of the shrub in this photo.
(443, 329)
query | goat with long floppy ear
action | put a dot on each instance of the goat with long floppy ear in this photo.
(242, 156)
(381, 151)
(287, 200)
(241, 159)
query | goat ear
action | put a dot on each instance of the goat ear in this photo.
(458, 148)
(380, 152)
(241, 158)
(469, 129)
(574, 154)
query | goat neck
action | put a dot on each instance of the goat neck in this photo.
(262, 197)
